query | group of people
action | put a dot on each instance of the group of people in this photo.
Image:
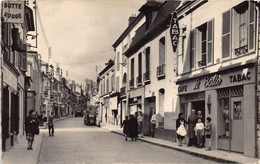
(132, 126)
(198, 131)
(32, 123)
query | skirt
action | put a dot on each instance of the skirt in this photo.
(30, 136)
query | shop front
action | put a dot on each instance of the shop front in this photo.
(228, 97)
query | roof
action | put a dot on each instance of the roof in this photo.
(156, 27)
(128, 29)
(109, 65)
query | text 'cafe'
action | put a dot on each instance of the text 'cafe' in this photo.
(228, 98)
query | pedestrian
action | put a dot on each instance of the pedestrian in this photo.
(125, 124)
(153, 123)
(50, 124)
(30, 128)
(180, 126)
(133, 127)
(200, 115)
(192, 120)
(208, 129)
(140, 124)
(199, 130)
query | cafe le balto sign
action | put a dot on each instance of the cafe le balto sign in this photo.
(174, 31)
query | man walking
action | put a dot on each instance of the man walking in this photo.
(50, 124)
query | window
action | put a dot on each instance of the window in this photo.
(202, 42)
(201, 45)
(112, 82)
(147, 64)
(162, 51)
(131, 82)
(140, 68)
(240, 20)
(132, 68)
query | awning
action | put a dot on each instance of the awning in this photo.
(113, 103)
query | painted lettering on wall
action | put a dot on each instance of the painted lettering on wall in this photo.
(197, 85)
(182, 88)
(13, 11)
(240, 77)
(213, 81)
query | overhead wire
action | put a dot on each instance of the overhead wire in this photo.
(44, 34)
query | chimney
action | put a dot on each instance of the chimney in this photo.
(131, 19)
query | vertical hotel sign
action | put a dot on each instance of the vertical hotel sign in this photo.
(13, 11)
(174, 31)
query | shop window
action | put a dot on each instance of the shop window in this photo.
(224, 96)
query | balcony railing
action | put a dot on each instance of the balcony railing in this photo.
(122, 90)
(131, 83)
(139, 80)
(241, 50)
(203, 61)
(146, 76)
(161, 71)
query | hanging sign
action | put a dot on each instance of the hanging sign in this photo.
(174, 31)
(13, 11)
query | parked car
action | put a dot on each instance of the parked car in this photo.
(79, 112)
(89, 119)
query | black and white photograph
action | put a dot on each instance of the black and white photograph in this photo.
(130, 81)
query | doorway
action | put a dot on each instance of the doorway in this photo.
(237, 133)
(199, 105)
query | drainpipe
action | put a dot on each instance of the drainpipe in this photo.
(256, 81)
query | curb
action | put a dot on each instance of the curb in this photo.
(37, 154)
(185, 151)
(40, 148)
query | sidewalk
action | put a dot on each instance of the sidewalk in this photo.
(216, 155)
(19, 153)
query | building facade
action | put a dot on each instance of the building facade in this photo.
(120, 46)
(108, 97)
(217, 67)
(14, 80)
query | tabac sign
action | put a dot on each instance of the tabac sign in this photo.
(13, 11)
(174, 31)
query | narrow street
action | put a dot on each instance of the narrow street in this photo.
(73, 142)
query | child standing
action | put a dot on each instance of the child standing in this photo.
(199, 129)
(208, 129)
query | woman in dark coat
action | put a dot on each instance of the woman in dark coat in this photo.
(125, 124)
(180, 121)
(31, 128)
(133, 128)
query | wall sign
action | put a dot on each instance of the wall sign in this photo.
(13, 11)
(174, 31)
(214, 81)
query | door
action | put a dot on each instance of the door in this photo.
(237, 126)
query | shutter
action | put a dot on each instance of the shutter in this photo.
(23, 61)
(192, 49)
(251, 28)
(226, 34)
(210, 43)
(162, 51)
